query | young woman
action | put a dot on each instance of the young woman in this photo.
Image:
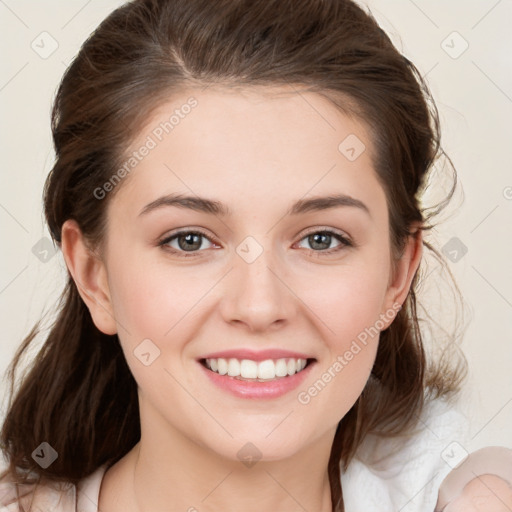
(236, 196)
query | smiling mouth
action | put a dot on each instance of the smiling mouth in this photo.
(257, 371)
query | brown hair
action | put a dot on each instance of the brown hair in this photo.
(79, 394)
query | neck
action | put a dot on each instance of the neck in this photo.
(168, 471)
(228, 485)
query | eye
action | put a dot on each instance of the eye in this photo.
(320, 240)
(190, 241)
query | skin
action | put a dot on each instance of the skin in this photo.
(480, 484)
(483, 494)
(257, 152)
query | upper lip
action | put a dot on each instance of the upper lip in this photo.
(256, 355)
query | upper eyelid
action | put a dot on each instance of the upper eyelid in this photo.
(323, 229)
(169, 237)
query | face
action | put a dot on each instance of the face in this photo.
(257, 268)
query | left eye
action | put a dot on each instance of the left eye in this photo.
(325, 237)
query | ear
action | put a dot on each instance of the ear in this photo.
(405, 268)
(90, 276)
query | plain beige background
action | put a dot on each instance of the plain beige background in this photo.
(462, 47)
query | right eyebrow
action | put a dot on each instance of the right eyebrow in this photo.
(199, 204)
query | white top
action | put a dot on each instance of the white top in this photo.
(387, 475)
(408, 480)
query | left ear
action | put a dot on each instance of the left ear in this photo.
(405, 268)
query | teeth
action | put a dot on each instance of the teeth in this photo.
(222, 366)
(248, 369)
(266, 370)
(262, 370)
(233, 367)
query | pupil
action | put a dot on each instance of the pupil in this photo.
(315, 240)
(190, 243)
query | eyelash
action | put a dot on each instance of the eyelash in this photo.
(344, 242)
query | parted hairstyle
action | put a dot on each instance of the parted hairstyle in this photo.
(79, 394)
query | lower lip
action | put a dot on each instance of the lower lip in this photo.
(254, 389)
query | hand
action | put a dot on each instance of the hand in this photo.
(485, 493)
(482, 483)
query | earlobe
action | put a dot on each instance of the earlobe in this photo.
(406, 267)
(90, 276)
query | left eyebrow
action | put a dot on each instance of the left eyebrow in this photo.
(202, 204)
(327, 202)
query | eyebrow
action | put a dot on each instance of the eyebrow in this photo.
(202, 204)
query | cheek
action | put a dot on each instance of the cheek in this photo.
(148, 302)
(348, 302)
(149, 309)
(349, 310)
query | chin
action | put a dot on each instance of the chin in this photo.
(257, 444)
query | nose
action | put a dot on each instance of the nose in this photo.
(256, 294)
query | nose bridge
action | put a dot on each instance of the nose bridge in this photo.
(256, 295)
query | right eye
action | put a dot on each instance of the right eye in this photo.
(190, 241)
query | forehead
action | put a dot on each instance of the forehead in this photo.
(272, 141)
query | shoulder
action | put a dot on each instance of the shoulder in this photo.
(52, 496)
(404, 472)
(44, 496)
(482, 481)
